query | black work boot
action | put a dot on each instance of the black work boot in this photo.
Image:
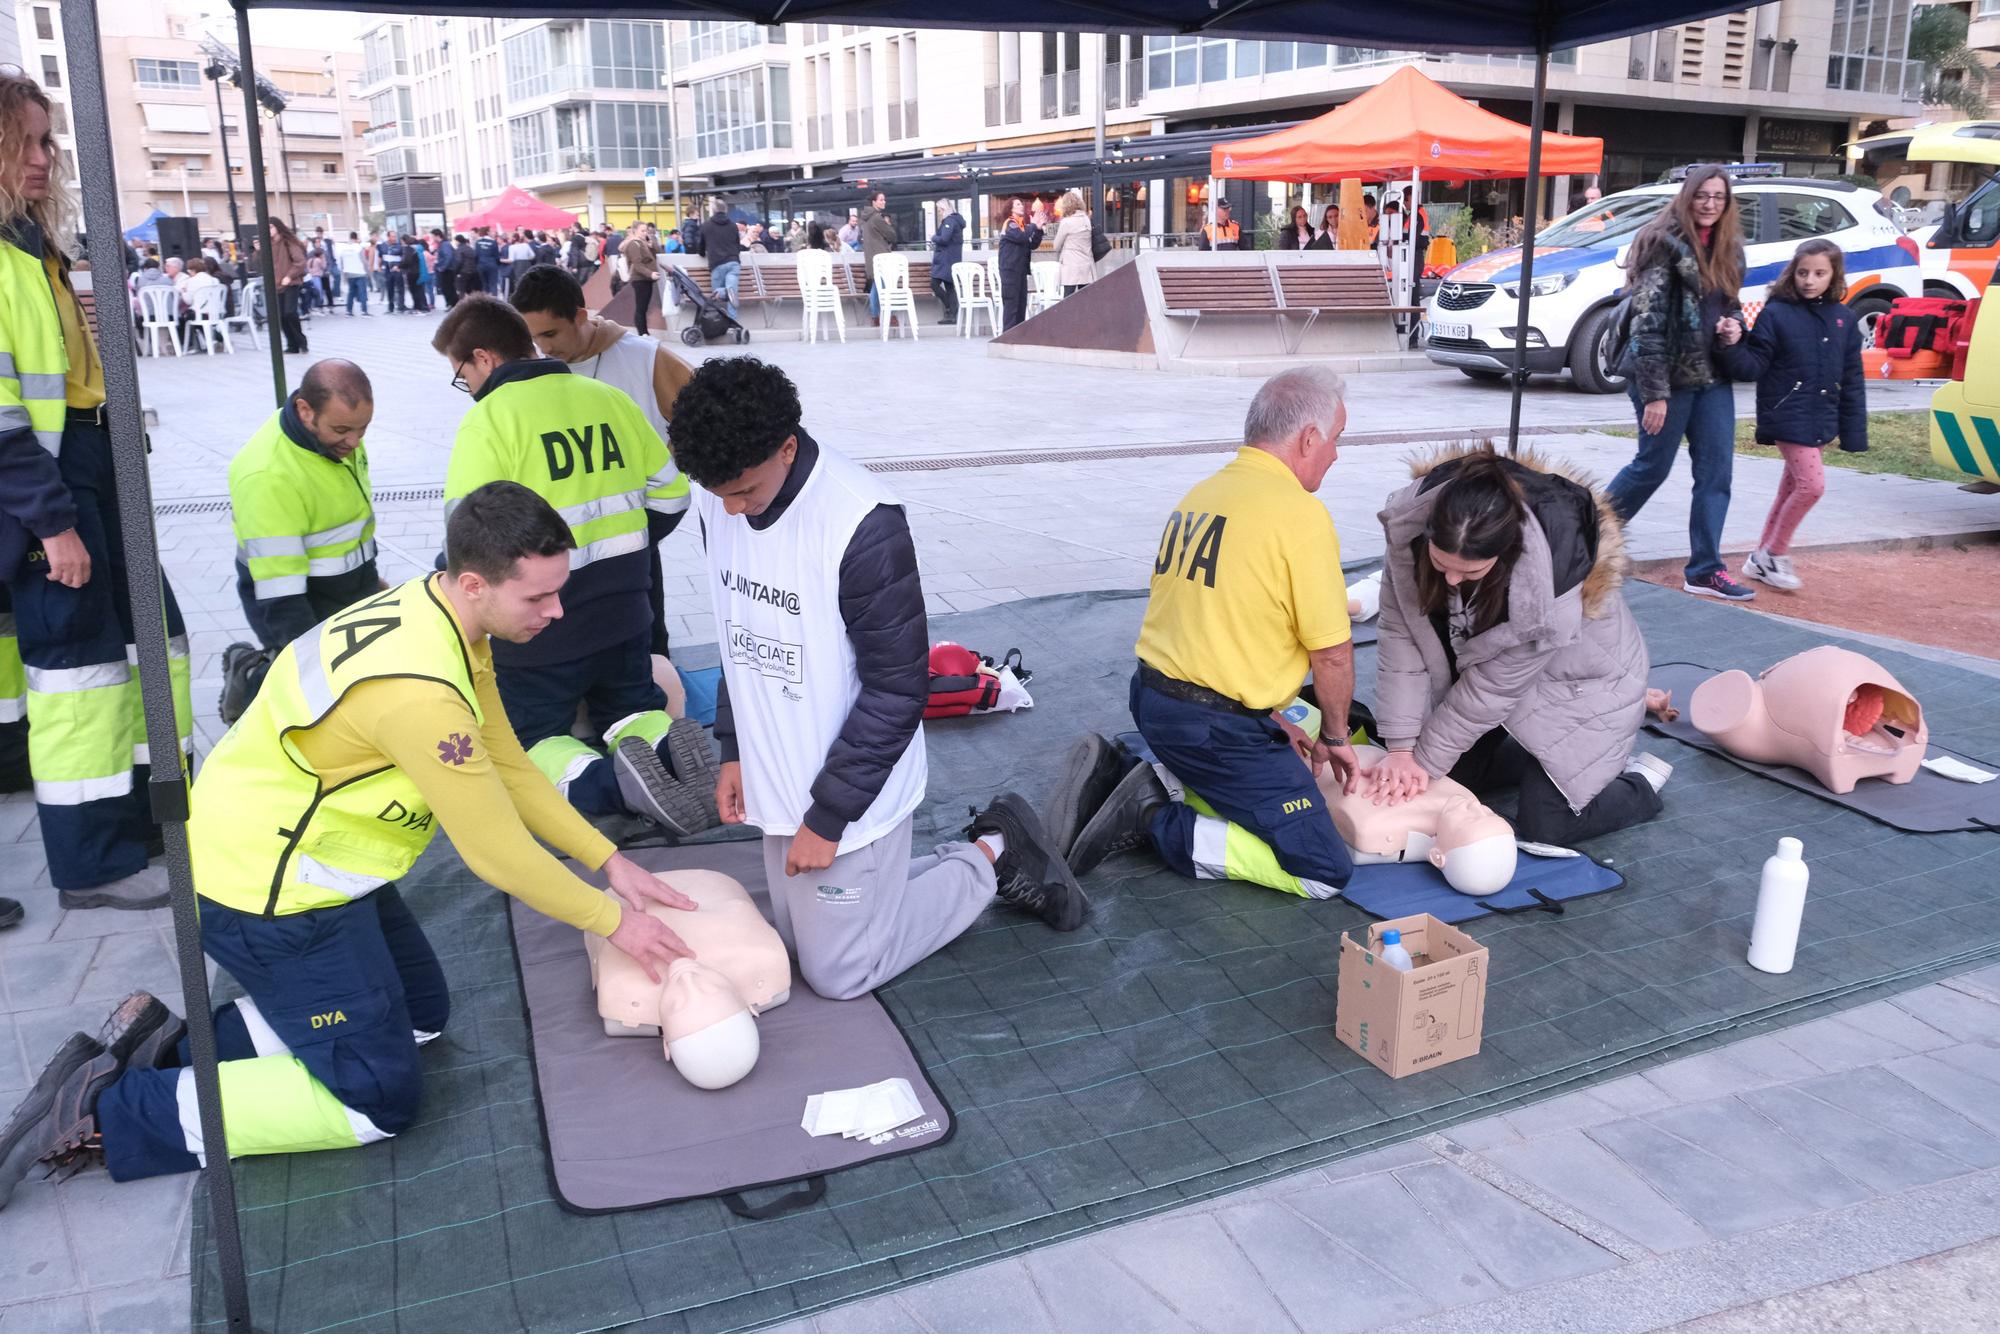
(1120, 823)
(1090, 770)
(11, 913)
(57, 1123)
(649, 790)
(141, 1030)
(243, 668)
(1030, 869)
(692, 758)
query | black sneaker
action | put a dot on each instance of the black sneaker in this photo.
(1092, 768)
(1719, 585)
(140, 1030)
(1030, 870)
(650, 791)
(692, 758)
(243, 668)
(1120, 823)
(11, 913)
(56, 1123)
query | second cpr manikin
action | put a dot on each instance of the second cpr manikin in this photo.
(703, 1008)
(1829, 711)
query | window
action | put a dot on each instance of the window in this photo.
(385, 53)
(51, 72)
(329, 168)
(626, 54)
(1801, 217)
(318, 124)
(176, 118)
(1611, 222)
(59, 117)
(1869, 46)
(45, 24)
(735, 113)
(1170, 61)
(528, 141)
(706, 38)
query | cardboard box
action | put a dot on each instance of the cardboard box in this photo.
(1427, 1017)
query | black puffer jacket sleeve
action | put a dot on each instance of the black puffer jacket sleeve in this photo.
(882, 605)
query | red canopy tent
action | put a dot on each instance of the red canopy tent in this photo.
(517, 208)
(1408, 123)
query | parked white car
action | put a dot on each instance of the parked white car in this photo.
(1580, 275)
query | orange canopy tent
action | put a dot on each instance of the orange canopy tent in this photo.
(517, 208)
(1406, 123)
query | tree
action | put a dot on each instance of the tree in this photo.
(1953, 75)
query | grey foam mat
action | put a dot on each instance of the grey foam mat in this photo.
(1928, 804)
(626, 1132)
(1179, 1046)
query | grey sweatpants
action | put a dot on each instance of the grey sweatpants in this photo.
(874, 912)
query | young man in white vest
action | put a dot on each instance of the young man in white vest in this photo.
(820, 612)
(551, 301)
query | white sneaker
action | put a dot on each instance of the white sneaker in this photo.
(1652, 768)
(1773, 570)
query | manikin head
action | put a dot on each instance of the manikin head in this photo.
(1473, 847)
(705, 1026)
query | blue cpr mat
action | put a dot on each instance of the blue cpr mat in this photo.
(1404, 890)
(1540, 883)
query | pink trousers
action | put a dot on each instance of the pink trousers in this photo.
(1802, 486)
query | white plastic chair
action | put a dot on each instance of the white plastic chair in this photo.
(208, 321)
(160, 308)
(818, 297)
(977, 295)
(892, 292)
(1046, 290)
(247, 299)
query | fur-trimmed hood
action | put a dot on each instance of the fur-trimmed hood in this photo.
(1586, 539)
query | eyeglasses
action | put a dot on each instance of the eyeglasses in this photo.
(1711, 197)
(458, 379)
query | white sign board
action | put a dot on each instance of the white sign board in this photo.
(652, 185)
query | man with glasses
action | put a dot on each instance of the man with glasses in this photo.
(585, 447)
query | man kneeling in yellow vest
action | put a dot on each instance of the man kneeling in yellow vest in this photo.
(372, 728)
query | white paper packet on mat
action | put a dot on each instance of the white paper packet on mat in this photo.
(1946, 767)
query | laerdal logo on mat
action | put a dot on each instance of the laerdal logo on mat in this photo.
(745, 587)
(917, 1131)
(770, 657)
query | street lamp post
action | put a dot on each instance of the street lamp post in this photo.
(285, 167)
(216, 73)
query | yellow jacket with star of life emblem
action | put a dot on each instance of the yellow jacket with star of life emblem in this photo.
(372, 729)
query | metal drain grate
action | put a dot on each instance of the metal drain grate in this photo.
(202, 506)
(220, 504)
(1014, 458)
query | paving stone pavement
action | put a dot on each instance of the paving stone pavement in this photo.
(1638, 1197)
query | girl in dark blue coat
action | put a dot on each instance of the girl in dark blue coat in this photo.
(1805, 355)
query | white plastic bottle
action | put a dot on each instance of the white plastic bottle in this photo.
(1393, 952)
(1781, 903)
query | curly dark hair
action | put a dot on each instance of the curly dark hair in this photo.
(733, 415)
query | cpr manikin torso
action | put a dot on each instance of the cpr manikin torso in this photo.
(1828, 711)
(1446, 826)
(702, 1007)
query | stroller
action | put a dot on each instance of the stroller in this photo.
(711, 314)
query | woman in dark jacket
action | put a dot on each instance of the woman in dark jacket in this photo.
(1300, 235)
(1805, 355)
(1018, 242)
(1684, 274)
(288, 262)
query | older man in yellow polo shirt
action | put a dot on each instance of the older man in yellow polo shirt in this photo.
(1246, 595)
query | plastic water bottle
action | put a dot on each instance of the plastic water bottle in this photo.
(1781, 904)
(1395, 955)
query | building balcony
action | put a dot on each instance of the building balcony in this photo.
(1003, 104)
(819, 133)
(1124, 83)
(860, 126)
(903, 119)
(194, 180)
(1062, 94)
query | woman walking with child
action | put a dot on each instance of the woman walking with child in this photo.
(1685, 273)
(1805, 355)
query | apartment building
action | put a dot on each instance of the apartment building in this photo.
(794, 119)
(175, 150)
(574, 110)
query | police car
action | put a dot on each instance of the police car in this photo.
(1580, 275)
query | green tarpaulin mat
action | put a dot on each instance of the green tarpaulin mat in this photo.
(1178, 1046)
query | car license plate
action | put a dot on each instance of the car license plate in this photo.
(1440, 330)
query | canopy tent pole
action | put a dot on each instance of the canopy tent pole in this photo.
(168, 791)
(268, 269)
(1528, 222)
